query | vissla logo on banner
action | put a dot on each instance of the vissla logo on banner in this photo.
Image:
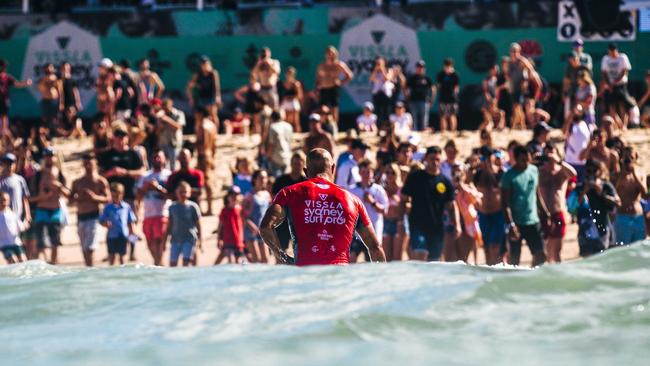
(376, 36)
(64, 41)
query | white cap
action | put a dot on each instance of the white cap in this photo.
(314, 117)
(369, 106)
(106, 62)
(414, 140)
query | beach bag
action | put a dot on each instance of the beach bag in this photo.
(572, 202)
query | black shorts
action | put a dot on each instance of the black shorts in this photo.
(10, 251)
(117, 245)
(532, 234)
(617, 95)
(357, 247)
(4, 107)
(49, 108)
(53, 232)
(329, 96)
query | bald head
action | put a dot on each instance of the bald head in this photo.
(320, 163)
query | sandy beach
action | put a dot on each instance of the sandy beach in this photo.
(229, 149)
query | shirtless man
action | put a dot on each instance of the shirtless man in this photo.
(104, 90)
(206, 147)
(89, 192)
(598, 150)
(267, 72)
(630, 224)
(317, 137)
(554, 176)
(328, 79)
(48, 86)
(490, 215)
(49, 186)
(151, 84)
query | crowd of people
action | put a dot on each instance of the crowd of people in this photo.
(144, 176)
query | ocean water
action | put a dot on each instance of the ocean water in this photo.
(591, 312)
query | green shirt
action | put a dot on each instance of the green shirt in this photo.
(523, 194)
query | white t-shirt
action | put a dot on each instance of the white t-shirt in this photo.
(280, 136)
(378, 193)
(155, 203)
(402, 124)
(348, 174)
(365, 123)
(578, 140)
(614, 66)
(10, 228)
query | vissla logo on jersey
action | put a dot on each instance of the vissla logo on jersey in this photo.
(325, 236)
(314, 249)
(322, 196)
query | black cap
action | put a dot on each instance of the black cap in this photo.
(420, 63)
(433, 150)
(612, 46)
(204, 59)
(120, 133)
(9, 158)
(359, 144)
(486, 151)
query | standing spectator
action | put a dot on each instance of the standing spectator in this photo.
(249, 96)
(538, 143)
(447, 86)
(382, 91)
(493, 116)
(490, 215)
(401, 122)
(170, 131)
(430, 193)
(517, 75)
(254, 206)
(597, 198)
(451, 153)
(10, 228)
(48, 86)
(7, 81)
(230, 240)
(467, 199)
(292, 95)
(295, 175)
(152, 192)
(419, 93)
(597, 149)
(151, 84)
(521, 200)
(367, 121)
(317, 137)
(577, 135)
(374, 199)
(204, 89)
(105, 94)
(69, 91)
(569, 83)
(242, 175)
(206, 147)
(50, 215)
(184, 227)
(267, 73)
(89, 192)
(554, 175)
(278, 145)
(123, 94)
(133, 81)
(615, 67)
(394, 234)
(583, 57)
(348, 174)
(630, 223)
(118, 218)
(16, 186)
(122, 164)
(331, 74)
(586, 95)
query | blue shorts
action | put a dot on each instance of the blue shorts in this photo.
(493, 228)
(12, 250)
(629, 229)
(117, 245)
(427, 242)
(390, 227)
(187, 249)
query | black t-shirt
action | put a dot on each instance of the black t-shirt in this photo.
(285, 180)
(420, 87)
(129, 160)
(429, 197)
(68, 92)
(124, 102)
(446, 85)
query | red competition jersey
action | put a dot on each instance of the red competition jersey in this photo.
(322, 219)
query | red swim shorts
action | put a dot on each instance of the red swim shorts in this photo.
(154, 228)
(557, 230)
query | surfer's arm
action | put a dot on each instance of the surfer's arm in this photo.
(370, 239)
(273, 217)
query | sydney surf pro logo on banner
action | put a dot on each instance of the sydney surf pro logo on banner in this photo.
(61, 42)
(376, 36)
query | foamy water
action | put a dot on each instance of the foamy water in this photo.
(592, 312)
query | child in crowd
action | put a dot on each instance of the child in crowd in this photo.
(118, 218)
(367, 121)
(242, 177)
(10, 228)
(184, 226)
(237, 124)
(401, 121)
(231, 229)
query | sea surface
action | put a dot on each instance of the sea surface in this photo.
(590, 312)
